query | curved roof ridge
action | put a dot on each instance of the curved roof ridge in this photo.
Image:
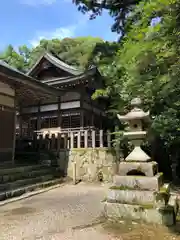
(57, 62)
(50, 56)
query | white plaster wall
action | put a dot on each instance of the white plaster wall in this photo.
(68, 105)
(69, 96)
(30, 110)
(52, 107)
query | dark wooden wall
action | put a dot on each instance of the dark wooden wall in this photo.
(7, 119)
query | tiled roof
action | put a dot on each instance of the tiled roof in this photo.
(15, 76)
(58, 63)
(71, 79)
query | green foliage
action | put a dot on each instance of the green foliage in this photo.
(147, 65)
(118, 9)
(13, 58)
(76, 52)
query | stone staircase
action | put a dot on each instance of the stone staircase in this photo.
(18, 180)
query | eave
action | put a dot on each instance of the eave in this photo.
(56, 62)
(84, 77)
(27, 89)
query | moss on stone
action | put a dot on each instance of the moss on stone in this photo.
(164, 190)
(143, 207)
(122, 188)
(147, 206)
(166, 209)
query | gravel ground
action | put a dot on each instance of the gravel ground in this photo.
(72, 213)
(64, 213)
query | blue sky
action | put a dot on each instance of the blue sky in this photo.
(28, 21)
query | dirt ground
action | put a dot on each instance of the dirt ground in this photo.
(69, 213)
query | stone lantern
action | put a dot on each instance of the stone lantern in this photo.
(136, 119)
(138, 191)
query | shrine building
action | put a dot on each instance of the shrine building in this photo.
(73, 109)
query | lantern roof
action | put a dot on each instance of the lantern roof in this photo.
(135, 113)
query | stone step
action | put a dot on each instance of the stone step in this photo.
(23, 182)
(29, 188)
(138, 182)
(139, 212)
(27, 174)
(130, 196)
(19, 169)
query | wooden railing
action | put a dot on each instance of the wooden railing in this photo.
(90, 138)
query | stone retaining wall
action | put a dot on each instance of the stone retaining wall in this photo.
(92, 164)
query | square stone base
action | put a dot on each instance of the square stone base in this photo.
(138, 212)
(148, 168)
(138, 182)
(130, 196)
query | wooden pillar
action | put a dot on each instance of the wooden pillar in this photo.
(108, 139)
(14, 137)
(40, 141)
(59, 142)
(39, 118)
(93, 138)
(46, 140)
(29, 128)
(101, 138)
(79, 139)
(86, 139)
(74, 172)
(66, 141)
(71, 140)
(82, 119)
(53, 139)
(92, 119)
(59, 112)
(100, 121)
(20, 122)
(35, 140)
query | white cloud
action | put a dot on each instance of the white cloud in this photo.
(59, 33)
(37, 2)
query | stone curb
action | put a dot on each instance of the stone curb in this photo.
(33, 193)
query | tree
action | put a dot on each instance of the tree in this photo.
(118, 9)
(13, 58)
(147, 65)
(80, 52)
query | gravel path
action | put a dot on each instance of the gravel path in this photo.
(63, 213)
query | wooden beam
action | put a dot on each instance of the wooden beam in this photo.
(39, 117)
(82, 119)
(59, 113)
